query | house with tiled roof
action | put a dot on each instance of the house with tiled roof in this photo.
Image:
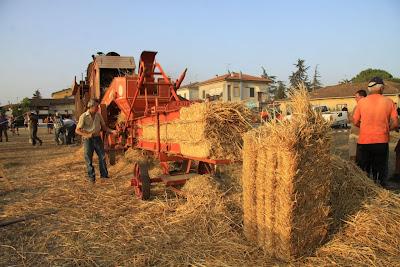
(235, 86)
(336, 97)
(189, 91)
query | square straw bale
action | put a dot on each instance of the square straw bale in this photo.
(293, 182)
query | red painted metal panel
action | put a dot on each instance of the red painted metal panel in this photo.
(175, 150)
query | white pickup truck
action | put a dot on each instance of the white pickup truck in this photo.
(335, 118)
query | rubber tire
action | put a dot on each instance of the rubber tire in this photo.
(146, 183)
(111, 157)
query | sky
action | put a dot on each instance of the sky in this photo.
(44, 44)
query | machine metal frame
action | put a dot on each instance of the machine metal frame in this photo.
(145, 100)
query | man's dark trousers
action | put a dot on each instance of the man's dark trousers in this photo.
(373, 158)
(34, 137)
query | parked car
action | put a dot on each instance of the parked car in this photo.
(335, 118)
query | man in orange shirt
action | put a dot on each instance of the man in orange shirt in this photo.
(376, 116)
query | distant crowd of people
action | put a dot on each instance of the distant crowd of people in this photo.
(63, 126)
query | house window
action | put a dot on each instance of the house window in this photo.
(229, 93)
(260, 96)
(236, 91)
(251, 91)
(204, 94)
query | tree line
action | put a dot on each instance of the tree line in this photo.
(279, 90)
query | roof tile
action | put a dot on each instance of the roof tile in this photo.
(349, 89)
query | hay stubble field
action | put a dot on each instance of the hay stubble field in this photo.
(67, 222)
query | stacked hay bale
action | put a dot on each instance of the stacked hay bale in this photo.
(206, 130)
(286, 182)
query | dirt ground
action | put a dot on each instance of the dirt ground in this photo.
(68, 222)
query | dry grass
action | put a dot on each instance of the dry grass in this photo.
(105, 225)
(351, 189)
(365, 222)
(212, 130)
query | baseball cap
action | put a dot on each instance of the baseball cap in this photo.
(374, 81)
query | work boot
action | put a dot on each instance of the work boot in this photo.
(92, 180)
(395, 178)
(392, 185)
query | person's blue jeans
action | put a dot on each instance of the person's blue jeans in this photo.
(95, 144)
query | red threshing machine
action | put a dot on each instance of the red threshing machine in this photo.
(149, 98)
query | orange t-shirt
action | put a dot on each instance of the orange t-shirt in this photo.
(374, 113)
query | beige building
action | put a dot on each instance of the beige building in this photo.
(48, 106)
(64, 93)
(189, 91)
(342, 95)
(235, 87)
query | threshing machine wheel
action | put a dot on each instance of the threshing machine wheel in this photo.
(205, 168)
(111, 156)
(141, 181)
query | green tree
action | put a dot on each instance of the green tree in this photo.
(344, 81)
(37, 94)
(272, 87)
(280, 91)
(316, 83)
(368, 74)
(300, 75)
(22, 107)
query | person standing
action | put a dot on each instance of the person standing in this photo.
(58, 129)
(33, 128)
(12, 123)
(89, 126)
(3, 127)
(49, 122)
(376, 116)
(355, 131)
(26, 121)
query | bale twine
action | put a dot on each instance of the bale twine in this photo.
(248, 181)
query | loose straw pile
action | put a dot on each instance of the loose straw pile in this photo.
(366, 222)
